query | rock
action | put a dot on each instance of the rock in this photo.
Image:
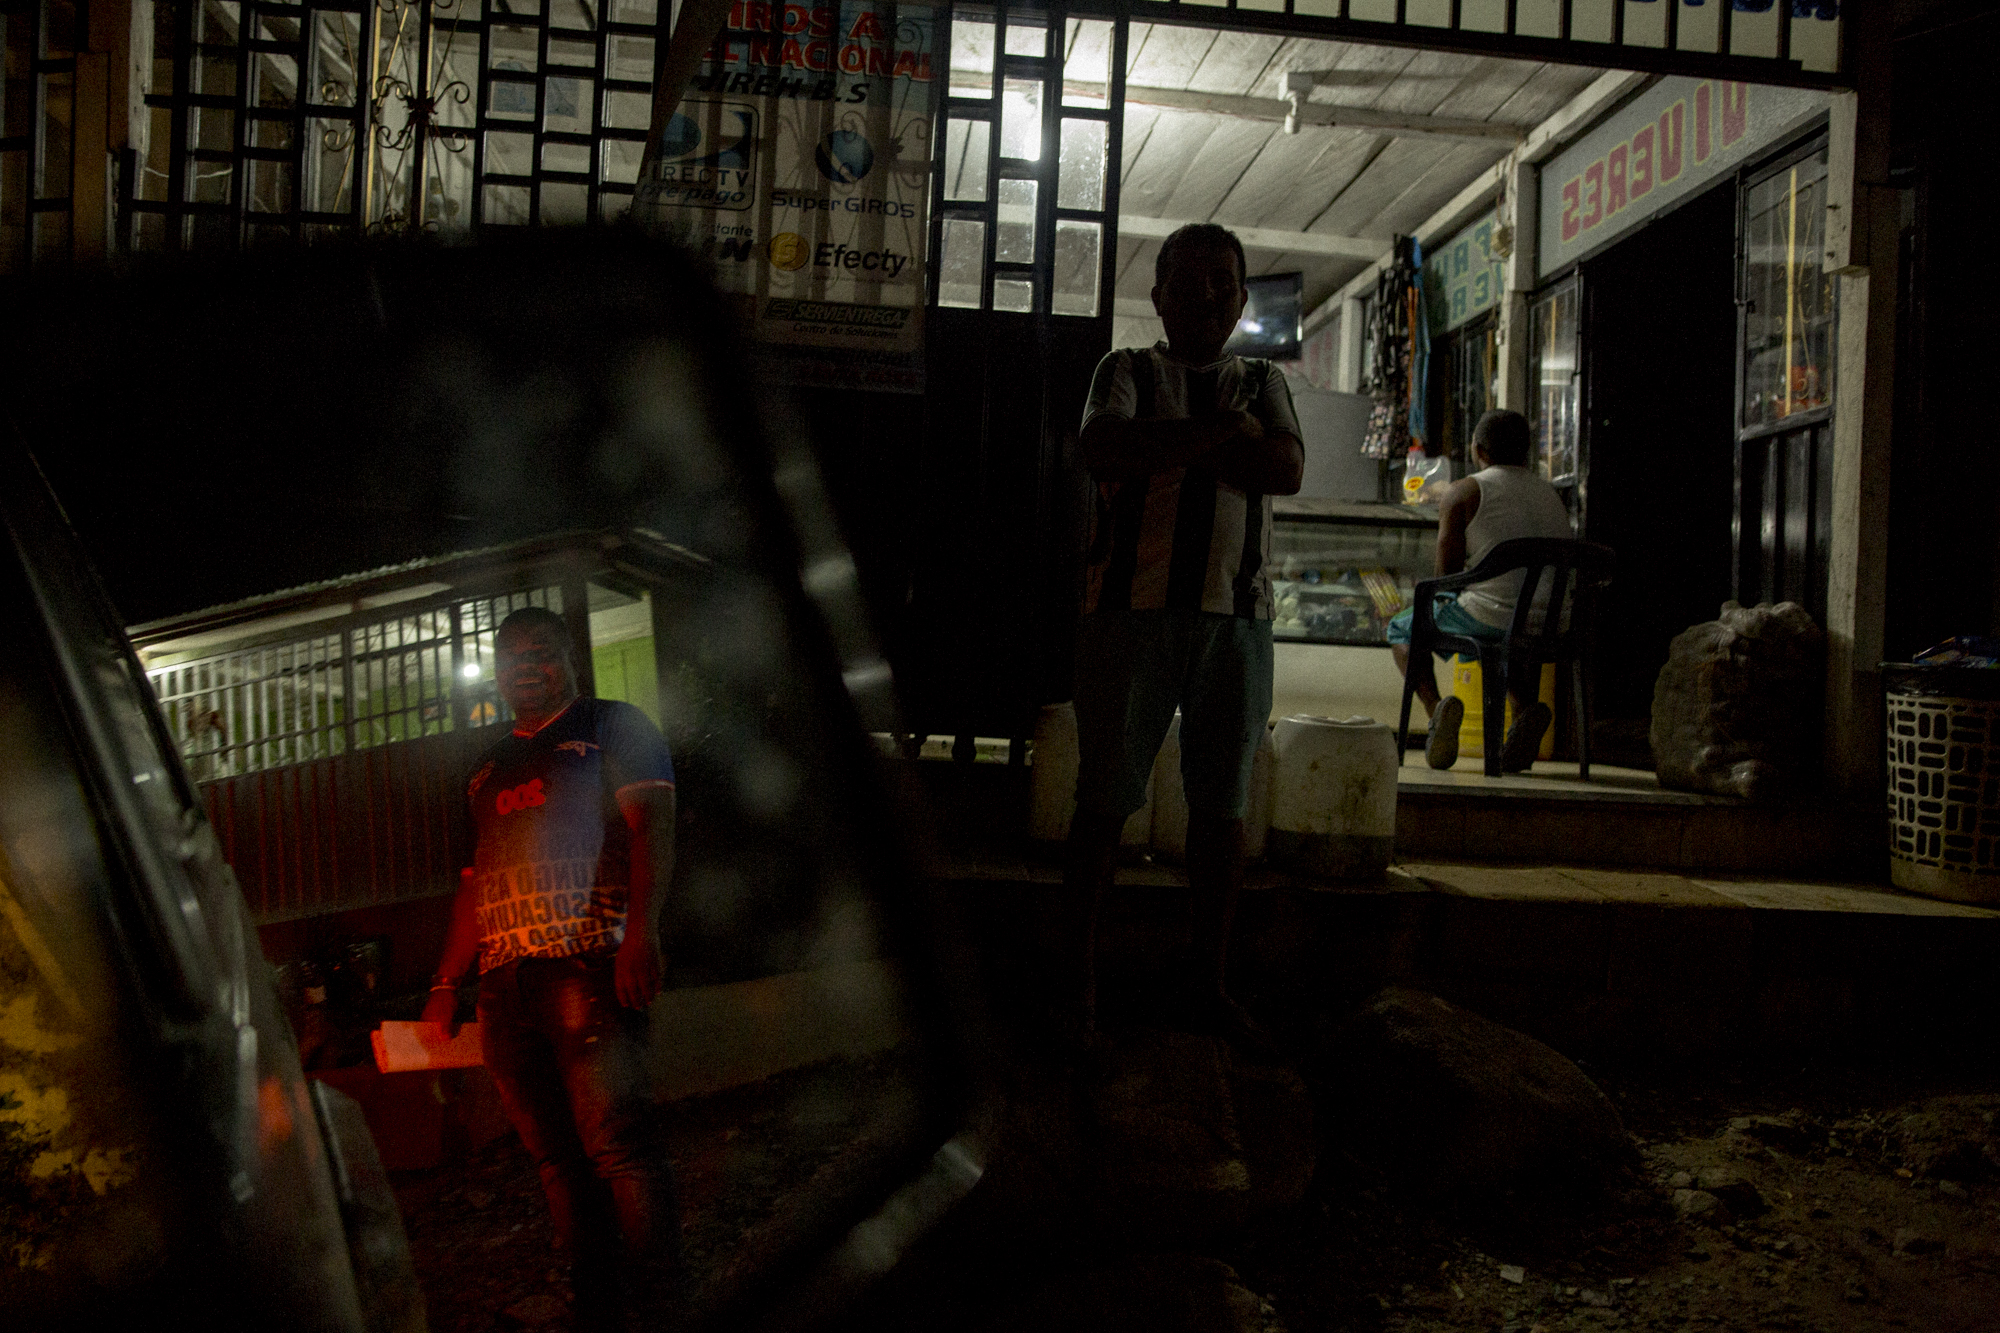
(1188, 1145)
(1739, 1196)
(1697, 1206)
(1681, 1180)
(1774, 1132)
(1446, 1101)
(1737, 707)
(1513, 1273)
(1911, 1241)
(479, 1198)
(1951, 1189)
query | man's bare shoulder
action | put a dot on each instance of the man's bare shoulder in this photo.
(1461, 495)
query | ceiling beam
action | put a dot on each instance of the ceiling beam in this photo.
(1572, 119)
(1263, 238)
(1320, 115)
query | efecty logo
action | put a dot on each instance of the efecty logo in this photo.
(708, 156)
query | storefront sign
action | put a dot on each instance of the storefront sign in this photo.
(1463, 277)
(1674, 138)
(799, 165)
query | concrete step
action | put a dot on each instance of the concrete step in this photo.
(1593, 960)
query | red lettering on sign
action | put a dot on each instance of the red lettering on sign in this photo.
(1593, 194)
(867, 26)
(1641, 180)
(760, 51)
(1614, 179)
(822, 22)
(1704, 142)
(796, 18)
(1572, 200)
(1672, 123)
(819, 55)
(1735, 112)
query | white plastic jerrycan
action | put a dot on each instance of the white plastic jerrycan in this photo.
(1333, 806)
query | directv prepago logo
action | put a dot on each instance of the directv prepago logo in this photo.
(844, 157)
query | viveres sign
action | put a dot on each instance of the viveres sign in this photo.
(1664, 145)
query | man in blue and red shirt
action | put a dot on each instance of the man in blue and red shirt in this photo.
(561, 907)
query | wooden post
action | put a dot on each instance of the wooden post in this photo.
(1861, 237)
(1523, 216)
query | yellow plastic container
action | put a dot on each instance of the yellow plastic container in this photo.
(1469, 686)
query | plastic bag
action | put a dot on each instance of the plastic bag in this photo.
(1425, 478)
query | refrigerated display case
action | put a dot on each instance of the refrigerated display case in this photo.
(1340, 569)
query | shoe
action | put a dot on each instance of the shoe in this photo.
(1441, 749)
(1518, 754)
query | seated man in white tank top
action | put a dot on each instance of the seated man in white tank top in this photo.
(1502, 501)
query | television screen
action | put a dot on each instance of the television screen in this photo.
(1270, 324)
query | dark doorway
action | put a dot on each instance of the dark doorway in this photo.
(1660, 327)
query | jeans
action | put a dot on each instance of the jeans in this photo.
(570, 1064)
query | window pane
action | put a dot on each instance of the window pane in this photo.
(1014, 242)
(565, 205)
(1080, 174)
(971, 57)
(208, 182)
(506, 205)
(215, 21)
(1027, 35)
(212, 129)
(566, 105)
(965, 144)
(1788, 318)
(618, 159)
(511, 101)
(332, 64)
(580, 54)
(215, 75)
(270, 187)
(329, 165)
(628, 111)
(1088, 63)
(1021, 120)
(270, 133)
(571, 14)
(964, 262)
(1014, 294)
(57, 105)
(274, 80)
(634, 11)
(1079, 246)
(510, 154)
(630, 58)
(1554, 407)
(566, 157)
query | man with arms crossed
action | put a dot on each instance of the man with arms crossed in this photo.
(1502, 501)
(1187, 446)
(561, 908)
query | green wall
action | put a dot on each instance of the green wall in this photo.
(625, 672)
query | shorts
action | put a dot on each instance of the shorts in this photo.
(1450, 617)
(1133, 668)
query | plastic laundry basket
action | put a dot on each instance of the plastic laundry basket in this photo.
(1944, 781)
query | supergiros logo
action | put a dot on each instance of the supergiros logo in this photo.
(789, 251)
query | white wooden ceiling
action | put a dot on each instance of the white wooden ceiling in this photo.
(1200, 166)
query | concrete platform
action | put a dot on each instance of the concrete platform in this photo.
(1623, 817)
(1594, 960)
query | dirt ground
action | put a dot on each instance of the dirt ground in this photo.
(1824, 1200)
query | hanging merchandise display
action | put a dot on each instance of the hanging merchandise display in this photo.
(1399, 340)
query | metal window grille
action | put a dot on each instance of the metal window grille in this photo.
(37, 115)
(330, 761)
(1024, 207)
(302, 119)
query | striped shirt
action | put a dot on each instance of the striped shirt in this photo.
(1183, 539)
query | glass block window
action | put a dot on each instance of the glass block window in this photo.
(287, 120)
